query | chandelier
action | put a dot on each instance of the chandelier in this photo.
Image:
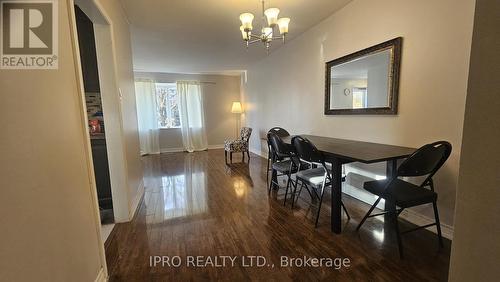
(269, 22)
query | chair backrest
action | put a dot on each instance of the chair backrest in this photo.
(245, 133)
(306, 150)
(279, 148)
(281, 132)
(426, 161)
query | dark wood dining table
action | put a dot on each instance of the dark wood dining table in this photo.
(342, 151)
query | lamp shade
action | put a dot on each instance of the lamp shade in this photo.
(236, 108)
(245, 34)
(283, 25)
(272, 16)
(246, 21)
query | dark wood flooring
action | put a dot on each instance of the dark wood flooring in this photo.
(195, 205)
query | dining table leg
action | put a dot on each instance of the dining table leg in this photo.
(336, 201)
(391, 169)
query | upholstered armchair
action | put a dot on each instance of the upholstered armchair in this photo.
(238, 145)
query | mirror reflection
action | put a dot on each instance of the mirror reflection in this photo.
(361, 83)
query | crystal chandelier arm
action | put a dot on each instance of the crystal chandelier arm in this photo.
(254, 36)
(254, 41)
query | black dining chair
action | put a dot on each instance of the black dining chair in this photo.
(281, 132)
(426, 161)
(284, 162)
(318, 178)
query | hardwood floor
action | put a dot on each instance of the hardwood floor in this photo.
(194, 205)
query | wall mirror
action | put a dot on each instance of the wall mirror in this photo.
(364, 82)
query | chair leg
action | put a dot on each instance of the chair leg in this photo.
(286, 192)
(398, 235)
(293, 191)
(231, 157)
(248, 154)
(345, 210)
(267, 171)
(308, 192)
(296, 196)
(368, 213)
(225, 156)
(438, 225)
(271, 182)
(243, 158)
(319, 206)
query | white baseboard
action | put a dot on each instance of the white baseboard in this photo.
(420, 220)
(177, 150)
(101, 276)
(259, 153)
(136, 200)
(171, 150)
(212, 147)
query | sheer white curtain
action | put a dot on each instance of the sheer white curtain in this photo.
(194, 136)
(149, 133)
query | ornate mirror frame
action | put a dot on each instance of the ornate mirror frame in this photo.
(395, 62)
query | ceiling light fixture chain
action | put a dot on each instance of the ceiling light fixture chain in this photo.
(266, 33)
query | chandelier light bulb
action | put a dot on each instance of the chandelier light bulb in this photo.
(272, 16)
(283, 25)
(246, 21)
(245, 34)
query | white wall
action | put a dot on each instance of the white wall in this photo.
(378, 83)
(287, 88)
(219, 92)
(125, 80)
(47, 199)
(476, 245)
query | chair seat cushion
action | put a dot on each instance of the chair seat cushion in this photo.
(404, 194)
(284, 166)
(237, 145)
(314, 176)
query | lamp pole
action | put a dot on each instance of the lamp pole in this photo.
(237, 110)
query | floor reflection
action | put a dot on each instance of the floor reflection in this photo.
(180, 190)
(184, 195)
(240, 188)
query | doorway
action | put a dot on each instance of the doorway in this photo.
(99, 87)
(95, 115)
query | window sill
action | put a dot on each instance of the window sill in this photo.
(169, 128)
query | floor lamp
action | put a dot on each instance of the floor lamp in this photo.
(236, 109)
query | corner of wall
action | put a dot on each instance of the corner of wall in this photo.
(136, 201)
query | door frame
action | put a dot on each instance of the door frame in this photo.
(111, 102)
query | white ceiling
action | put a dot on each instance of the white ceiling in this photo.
(203, 36)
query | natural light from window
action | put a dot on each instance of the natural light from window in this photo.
(167, 105)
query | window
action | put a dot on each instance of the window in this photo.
(167, 105)
(359, 98)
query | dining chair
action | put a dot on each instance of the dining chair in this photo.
(424, 162)
(281, 132)
(238, 145)
(318, 178)
(284, 162)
